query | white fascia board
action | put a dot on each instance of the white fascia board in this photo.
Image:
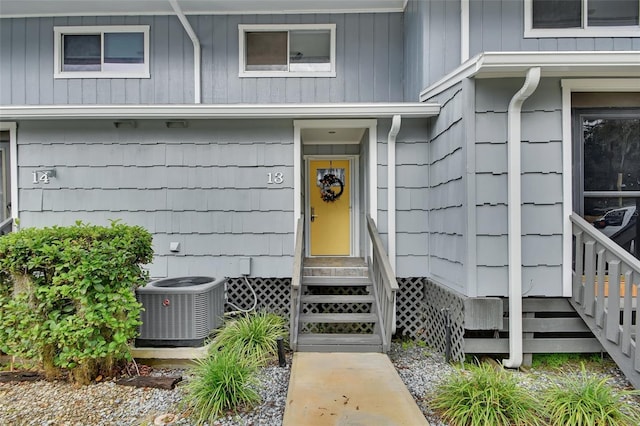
(236, 111)
(552, 64)
(38, 8)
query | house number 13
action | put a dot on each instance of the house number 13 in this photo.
(276, 178)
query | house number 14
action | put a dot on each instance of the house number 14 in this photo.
(276, 178)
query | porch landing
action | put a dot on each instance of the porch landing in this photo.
(348, 389)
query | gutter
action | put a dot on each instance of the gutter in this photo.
(219, 111)
(514, 140)
(576, 64)
(196, 49)
(391, 200)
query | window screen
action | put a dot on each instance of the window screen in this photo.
(557, 13)
(81, 52)
(266, 51)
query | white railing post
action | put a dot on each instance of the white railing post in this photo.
(605, 284)
(296, 280)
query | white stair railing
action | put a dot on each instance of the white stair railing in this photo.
(296, 282)
(6, 226)
(605, 294)
(385, 284)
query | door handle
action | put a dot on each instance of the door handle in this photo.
(313, 214)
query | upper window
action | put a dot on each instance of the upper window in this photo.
(101, 52)
(287, 50)
(582, 18)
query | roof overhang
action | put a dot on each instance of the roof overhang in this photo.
(219, 111)
(552, 64)
(26, 8)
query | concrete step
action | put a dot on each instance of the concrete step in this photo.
(331, 298)
(337, 318)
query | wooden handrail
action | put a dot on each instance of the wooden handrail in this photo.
(6, 226)
(296, 282)
(607, 309)
(384, 284)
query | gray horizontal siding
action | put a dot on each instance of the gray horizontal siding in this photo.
(541, 183)
(447, 224)
(498, 25)
(369, 60)
(204, 186)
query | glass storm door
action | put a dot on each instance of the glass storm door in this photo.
(330, 210)
(610, 173)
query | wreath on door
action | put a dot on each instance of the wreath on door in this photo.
(327, 183)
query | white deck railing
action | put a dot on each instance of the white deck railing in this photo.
(296, 282)
(605, 294)
(6, 226)
(384, 283)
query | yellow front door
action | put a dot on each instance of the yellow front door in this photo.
(330, 207)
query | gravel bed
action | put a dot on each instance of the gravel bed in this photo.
(105, 403)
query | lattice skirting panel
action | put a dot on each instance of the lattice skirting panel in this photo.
(273, 294)
(419, 314)
(438, 302)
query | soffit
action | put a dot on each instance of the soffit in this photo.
(21, 8)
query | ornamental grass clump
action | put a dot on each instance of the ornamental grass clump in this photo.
(252, 336)
(589, 400)
(484, 396)
(223, 381)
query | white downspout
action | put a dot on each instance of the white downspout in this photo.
(515, 217)
(391, 198)
(196, 48)
(391, 188)
(464, 31)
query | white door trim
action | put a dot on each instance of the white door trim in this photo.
(13, 167)
(371, 177)
(354, 219)
(569, 86)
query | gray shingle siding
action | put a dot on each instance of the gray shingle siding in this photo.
(542, 197)
(447, 191)
(204, 186)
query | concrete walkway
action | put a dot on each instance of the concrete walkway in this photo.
(348, 389)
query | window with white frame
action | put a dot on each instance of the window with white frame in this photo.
(101, 52)
(300, 50)
(582, 18)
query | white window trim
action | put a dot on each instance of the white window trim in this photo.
(585, 31)
(57, 51)
(243, 28)
(569, 86)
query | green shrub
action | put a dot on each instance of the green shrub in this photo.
(252, 336)
(485, 396)
(223, 381)
(589, 400)
(559, 360)
(69, 300)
